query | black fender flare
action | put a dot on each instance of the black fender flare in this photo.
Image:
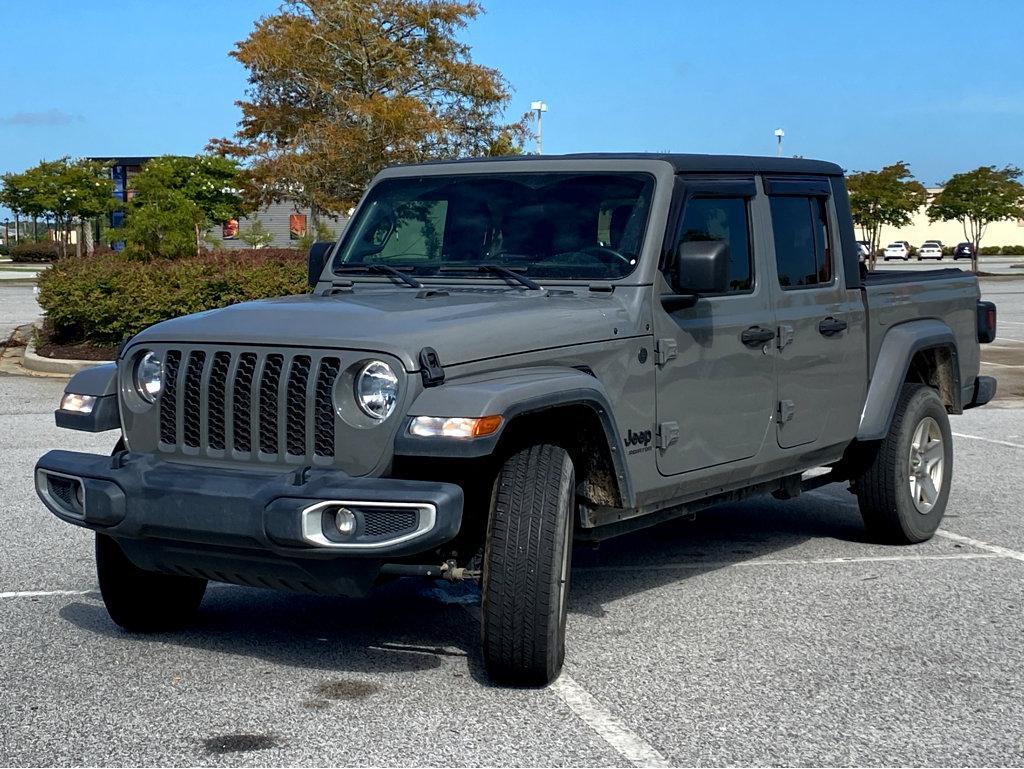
(899, 346)
(511, 395)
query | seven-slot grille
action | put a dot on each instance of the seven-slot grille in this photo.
(249, 402)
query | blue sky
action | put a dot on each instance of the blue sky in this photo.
(937, 83)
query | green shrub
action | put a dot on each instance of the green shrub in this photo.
(1013, 251)
(104, 299)
(5, 250)
(27, 251)
(947, 250)
(990, 250)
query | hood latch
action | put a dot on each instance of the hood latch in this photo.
(430, 367)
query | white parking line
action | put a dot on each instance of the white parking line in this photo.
(626, 742)
(990, 440)
(43, 593)
(697, 565)
(1002, 365)
(1002, 552)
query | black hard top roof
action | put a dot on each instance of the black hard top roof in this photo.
(685, 163)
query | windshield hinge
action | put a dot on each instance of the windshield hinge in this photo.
(668, 433)
(431, 370)
(665, 350)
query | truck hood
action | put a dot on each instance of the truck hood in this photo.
(463, 325)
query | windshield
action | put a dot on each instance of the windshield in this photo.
(560, 226)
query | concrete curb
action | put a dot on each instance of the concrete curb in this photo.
(31, 360)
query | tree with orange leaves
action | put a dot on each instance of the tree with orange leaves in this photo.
(339, 89)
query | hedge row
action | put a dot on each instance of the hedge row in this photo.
(105, 299)
(1003, 250)
(28, 251)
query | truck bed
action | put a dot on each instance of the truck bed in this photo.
(949, 295)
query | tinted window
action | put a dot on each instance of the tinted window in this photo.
(802, 252)
(543, 225)
(725, 220)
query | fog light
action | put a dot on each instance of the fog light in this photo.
(345, 522)
(81, 404)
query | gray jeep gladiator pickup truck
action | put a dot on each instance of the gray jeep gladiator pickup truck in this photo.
(500, 356)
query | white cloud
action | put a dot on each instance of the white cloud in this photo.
(48, 117)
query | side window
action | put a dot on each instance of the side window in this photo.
(803, 250)
(723, 219)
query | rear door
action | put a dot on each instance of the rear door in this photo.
(715, 391)
(821, 341)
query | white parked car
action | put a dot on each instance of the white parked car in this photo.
(897, 251)
(930, 249)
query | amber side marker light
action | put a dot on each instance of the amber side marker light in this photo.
(454, 427)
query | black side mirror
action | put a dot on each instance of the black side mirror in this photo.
(317, 259)
(702, 267)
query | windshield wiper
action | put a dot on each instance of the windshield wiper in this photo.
(496, 269)
(384, 269)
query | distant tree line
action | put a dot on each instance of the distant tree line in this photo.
(67, 192)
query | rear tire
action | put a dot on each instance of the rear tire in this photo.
(143, 601)
(527, 558)
(904, 489)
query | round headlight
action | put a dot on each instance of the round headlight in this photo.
(377, 389)
(149, 376)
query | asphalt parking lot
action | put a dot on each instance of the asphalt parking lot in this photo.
(763, 633)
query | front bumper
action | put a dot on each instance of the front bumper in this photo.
(245, 525)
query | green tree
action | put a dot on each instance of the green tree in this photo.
(977, 198)
(886, 197)
(85, 193)
(256, 235)
(339, 89)
(15, 195)
(176, 199)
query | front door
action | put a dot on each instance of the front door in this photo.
(820, 321)
(715, 367)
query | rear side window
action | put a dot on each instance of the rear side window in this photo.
(802, 245)
(725, 220)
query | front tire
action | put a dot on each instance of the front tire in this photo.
(143, 601)
(527, 558)
(904, 490)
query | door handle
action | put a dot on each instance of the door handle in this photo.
(755, 336)
(831, 326)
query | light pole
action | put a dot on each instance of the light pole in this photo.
(540, 108)
(779, 133)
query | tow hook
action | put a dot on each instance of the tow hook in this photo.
(448, 570)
